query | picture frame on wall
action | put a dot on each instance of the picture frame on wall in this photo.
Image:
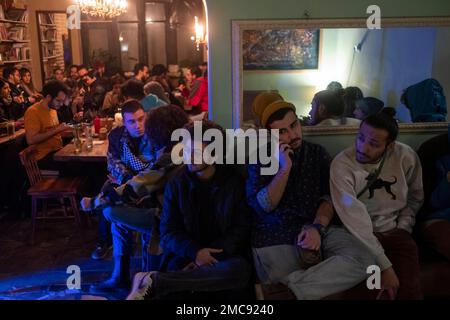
(281, 49)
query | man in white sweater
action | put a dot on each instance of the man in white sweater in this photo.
(376, 188)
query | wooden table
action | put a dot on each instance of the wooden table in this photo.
(19, 133)
(97, 154)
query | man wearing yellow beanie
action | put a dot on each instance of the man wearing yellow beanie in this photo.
(293, 214)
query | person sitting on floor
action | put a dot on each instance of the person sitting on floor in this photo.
(145, 190)
(295, 240)
(376, 187)
(128, 154)
(205, 229)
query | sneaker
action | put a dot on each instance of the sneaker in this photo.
(142, 283)
(101, 252)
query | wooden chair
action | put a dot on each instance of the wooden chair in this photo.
(48, 187)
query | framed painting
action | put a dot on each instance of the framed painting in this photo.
(280, 49)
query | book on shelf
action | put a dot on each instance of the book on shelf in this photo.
(2, 13)
(3, 32)
(16, 34)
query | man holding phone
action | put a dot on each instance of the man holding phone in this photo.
(293, 214)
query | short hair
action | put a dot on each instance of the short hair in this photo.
(53, 87)
(161, 122)
(196, 71)
(384, 120)
(139, 67)
(133, 89)
(277, 115)
(158, 70)
(332, 101)
(73, 66)
(7, 71)
(117, 79)
(334, 86)
(350, 96)
(24, 71)
(58, 69)
(131, 106)
(206, 125)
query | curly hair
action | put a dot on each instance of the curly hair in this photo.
(161, 122)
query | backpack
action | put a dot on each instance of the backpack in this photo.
(426, 101)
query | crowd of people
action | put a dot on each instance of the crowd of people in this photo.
(315, 225)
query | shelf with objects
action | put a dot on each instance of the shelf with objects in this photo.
(14, 37)
(53, 41)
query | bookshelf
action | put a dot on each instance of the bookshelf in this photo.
(14, 36)
(52, 31)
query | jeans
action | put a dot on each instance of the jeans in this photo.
(344, 266)
(125, 220)
(232, 273)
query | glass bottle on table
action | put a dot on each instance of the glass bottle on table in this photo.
(77, 137)
(88, 135)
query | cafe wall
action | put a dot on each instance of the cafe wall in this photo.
(221, 13)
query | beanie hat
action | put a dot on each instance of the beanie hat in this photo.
(267, 103)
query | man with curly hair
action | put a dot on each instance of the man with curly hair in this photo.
(141, 196)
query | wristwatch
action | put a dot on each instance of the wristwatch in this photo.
(320, 228)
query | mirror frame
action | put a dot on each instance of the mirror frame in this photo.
(238, 26)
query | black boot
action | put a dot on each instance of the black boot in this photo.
(120, 278)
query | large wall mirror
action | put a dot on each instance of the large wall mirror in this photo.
(299, 58)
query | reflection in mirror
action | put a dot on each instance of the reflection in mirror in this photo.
(382, 64)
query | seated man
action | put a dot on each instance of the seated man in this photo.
(42, 127)
(128, 154)
(376, 188)
(327, 108)
(205, 229)
(293, 208)
(434, 155)
(142, 195)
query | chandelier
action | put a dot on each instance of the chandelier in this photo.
(103, 8)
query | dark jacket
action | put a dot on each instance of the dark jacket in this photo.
(180, 226)
(434, 156)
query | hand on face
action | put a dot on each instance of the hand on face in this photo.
(285, 153)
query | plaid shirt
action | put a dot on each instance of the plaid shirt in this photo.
(125, 160)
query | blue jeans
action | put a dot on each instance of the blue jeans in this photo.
(344, 266)
(232, 273)
(125, 220)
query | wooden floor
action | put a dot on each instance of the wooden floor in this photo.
(39, 272)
